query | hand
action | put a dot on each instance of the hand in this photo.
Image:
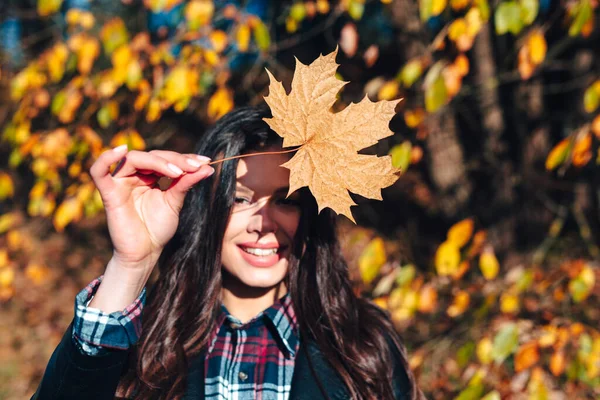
(141, 217)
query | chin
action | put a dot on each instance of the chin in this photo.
(265, 278)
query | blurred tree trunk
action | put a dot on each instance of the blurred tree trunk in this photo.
(445, 153)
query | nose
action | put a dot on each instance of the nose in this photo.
(262, 221)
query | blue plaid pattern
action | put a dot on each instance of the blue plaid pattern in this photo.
(254, 360)
(96, 332)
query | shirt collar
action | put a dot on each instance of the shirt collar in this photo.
(280, 317)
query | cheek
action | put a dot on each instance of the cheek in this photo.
(289, 222)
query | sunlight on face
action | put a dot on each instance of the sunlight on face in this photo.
(259, 237)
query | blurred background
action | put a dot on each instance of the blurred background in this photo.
(486, 250)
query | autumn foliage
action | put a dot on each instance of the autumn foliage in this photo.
(484, 251)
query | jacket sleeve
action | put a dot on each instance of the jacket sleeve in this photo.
(71, 374)
(400, 380)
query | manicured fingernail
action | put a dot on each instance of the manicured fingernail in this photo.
(212, 171)
(193, 163)
(120, 148)
(202, 158)
(175, 168)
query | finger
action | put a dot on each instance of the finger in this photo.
(100, 170)
(180, 187)
(140, 160)
(187, 162)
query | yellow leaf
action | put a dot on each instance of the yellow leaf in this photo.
(242, 37)
(328, 161)
(371, 260)
(199, 13)
(461, 232)
(527, 356)
(459, 304)
(7, 276)
(558, 154)
(220, 103)
(447, 258)
(488, 263)
(548, 336)
(536, 388)
(154, 110)
(37, 273)
(47, 7)
(388, 91)
(4, 260)
(7, 188)
(219, 40)
(509, 303)
(70, 210)
(413, 118)
(438, 6)
(484, 350)
(8, 221)
(474, 22)
(457, 28)
(458, 5)
(537, 47)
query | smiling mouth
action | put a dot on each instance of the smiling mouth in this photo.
(262, 252)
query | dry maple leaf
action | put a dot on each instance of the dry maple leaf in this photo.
(327, 160)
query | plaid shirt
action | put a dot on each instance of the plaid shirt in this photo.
(254, 360)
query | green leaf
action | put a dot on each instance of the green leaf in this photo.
(401, 155)
(529, 10)
(298, 12)
(410, 73)
(58, 102)
(436, 95)
(493, 395)
(591, 99)
(372, 259)
(15, 159)
(465, 353)
(425, 9)
(104, 117)
(583, 13)
(484, 9)
(356, 9)
(505, 342)
(406, 275)
(508, 18)
(262, 36)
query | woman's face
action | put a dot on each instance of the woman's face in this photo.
(260, 234)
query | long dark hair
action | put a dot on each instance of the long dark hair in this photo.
(353, 335)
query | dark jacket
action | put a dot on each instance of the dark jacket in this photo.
(73, 375)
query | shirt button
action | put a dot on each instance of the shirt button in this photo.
(233, 325)
(243, 376)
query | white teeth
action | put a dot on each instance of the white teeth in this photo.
(260, 252)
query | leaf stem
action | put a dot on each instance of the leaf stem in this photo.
(264, 153)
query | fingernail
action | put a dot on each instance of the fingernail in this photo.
(175, 168)
(120, 148)
(212, 171)
(202, 158)
(193, 163)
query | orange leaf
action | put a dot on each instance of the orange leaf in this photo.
(413, 118)
(38, 274)
(527, 356)
(219, 40)
(557, 363)
(462, 64)
(327, 160)
(537, 47)
(596, 126)
(427, 299)
(582, 150)
(461, 232)
(459, 305)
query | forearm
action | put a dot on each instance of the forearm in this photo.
(122, 284)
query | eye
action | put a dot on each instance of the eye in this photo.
(292, 202)
(241, 200)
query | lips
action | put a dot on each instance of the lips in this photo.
(262, 255)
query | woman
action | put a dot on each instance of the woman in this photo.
(253, 298)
